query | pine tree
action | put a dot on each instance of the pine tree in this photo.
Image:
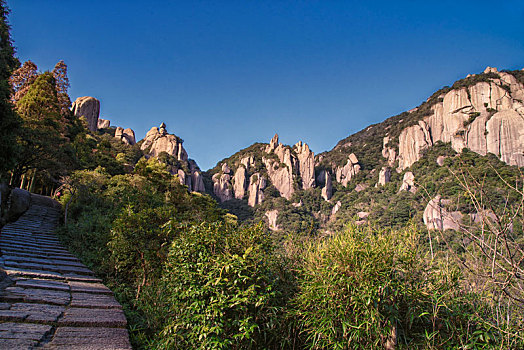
(21, 80)
(45, 147)
(62, 85)
(9, 121)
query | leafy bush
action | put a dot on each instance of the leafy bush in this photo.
(220, 290)
(369, 289)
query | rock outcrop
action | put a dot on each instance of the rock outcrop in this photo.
(408, 183)
(436, 217)
(287, 169)
(384, 176)
(157, 141)
(388, 152)
(272, 217)
(127, 136)
(306, 164)
(103, 123)
(345, 173)
(240, 182)
(89, 108)
(324, 179)
(485, 117)
(257, 183)
(222, 184)
(336, 208)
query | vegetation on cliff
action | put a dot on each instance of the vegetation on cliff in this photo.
(191, 275)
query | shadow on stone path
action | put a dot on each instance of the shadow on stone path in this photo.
(53, 301)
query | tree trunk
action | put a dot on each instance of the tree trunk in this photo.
(32, 184)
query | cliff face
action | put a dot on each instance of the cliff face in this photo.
(285, 168)
(159, 142)
(485, 117)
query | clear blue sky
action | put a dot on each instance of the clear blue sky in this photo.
(225, 74)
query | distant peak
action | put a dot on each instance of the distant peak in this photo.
(274, 140)
(491, 70)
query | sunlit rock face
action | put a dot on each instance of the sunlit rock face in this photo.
(484, 117)
(343, 174)
(89, 108)
(157, 141)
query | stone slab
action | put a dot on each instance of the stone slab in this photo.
(90, 338)
(78, 317)
(86, 287)
(99, 301)
(54, 297)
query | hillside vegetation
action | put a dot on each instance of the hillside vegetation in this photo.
(357, 270)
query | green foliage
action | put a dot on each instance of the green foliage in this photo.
(361, 288)
(43, 138)
(220, 290)
(9, 121)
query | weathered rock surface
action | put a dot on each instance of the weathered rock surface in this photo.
(324, 179)
(89, 108)
(345, 173)
(436, 217)
(412, 141)
(54, 301)
(158, 140)
(336, 208)
(240, 182)
(272, 217)
(280, 172)
(408, 183)
(257, 183)
(306, 164)
(388, 152)
(127, 136)
(485, 117)
(222, 186)
(103, 123)
(384, 176)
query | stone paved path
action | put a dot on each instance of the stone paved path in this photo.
(54, 301)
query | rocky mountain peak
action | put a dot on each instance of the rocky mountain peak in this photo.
(158, 141)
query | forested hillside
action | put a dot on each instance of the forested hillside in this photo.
(407, 235)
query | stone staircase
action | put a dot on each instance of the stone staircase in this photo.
(52, 300)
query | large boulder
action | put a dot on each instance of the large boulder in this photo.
(345, 173)
(103, 123)
(272, 217)
(127, 136)
(436, 217)
(14, 202)
(89, 108)
(384, 176)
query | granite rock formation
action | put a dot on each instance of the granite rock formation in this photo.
(158, 141)
(103, 123)
(485, 117)
(127, 136)
(89, 108)
(344, 173)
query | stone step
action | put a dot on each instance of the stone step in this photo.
(54, 301)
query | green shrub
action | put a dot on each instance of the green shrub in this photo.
(363, 288)
(220, 290)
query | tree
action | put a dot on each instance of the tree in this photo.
(21, 80)
(62, 85)
(9, 121)
(42, 139)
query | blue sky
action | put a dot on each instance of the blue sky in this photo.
(225, 74)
